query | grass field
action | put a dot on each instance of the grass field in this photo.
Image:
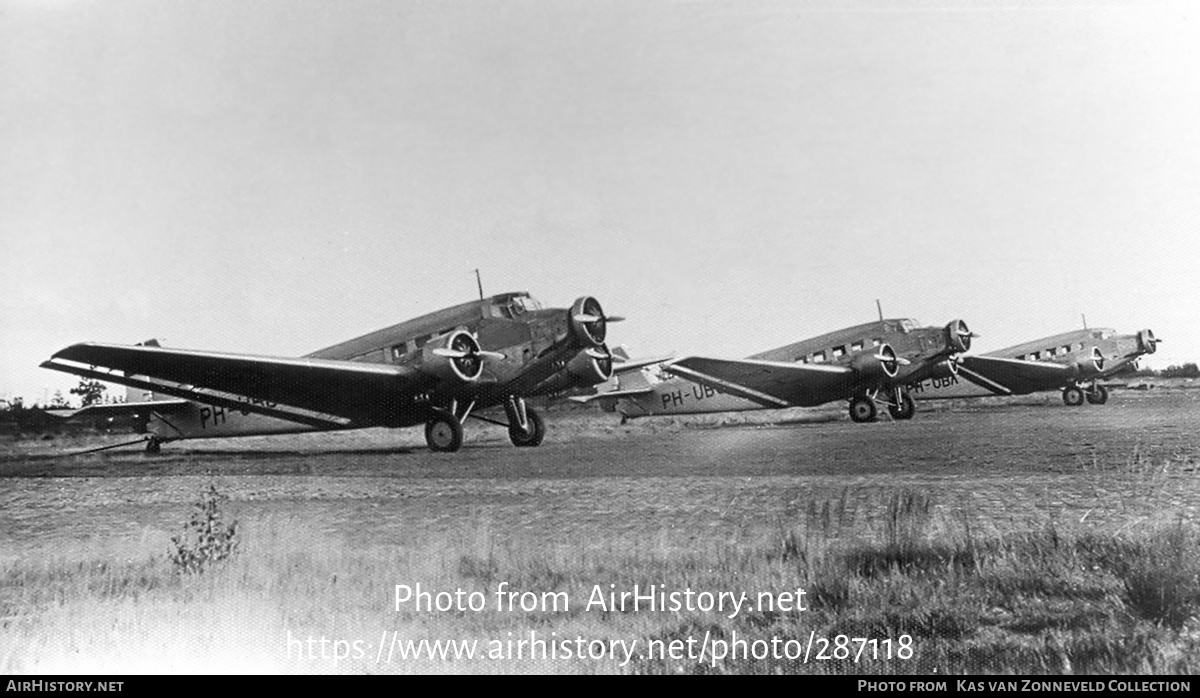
(1019, 538)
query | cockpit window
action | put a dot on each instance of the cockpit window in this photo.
(908, 325)
(523, 304)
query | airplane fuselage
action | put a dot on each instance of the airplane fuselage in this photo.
(920, 347)
(1074, 348)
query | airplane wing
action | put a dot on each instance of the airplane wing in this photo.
(321, 392)
(633, 364)
(769, 383)
(611, 394)
(1015, 376)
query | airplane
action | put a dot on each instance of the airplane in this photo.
(1073, 362)
(865, 364)
(437, 370)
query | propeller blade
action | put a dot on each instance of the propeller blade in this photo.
(490, 354)
(584, 317)
(899, 360)
(451, 353)
(615, 318)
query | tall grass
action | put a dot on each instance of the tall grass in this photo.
(879, 566)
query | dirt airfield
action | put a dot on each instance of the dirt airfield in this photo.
(996, 536)
(1001, 464)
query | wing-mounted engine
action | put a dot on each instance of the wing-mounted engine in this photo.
(454, 356)
(958, 336)
(588, 324)
(588, 367)
(1147, 343)
(1092, 364)
(877, 366)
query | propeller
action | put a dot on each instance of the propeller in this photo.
(959, 336)
(463, 353)
(588, 322)
(585, 317)
(899, 360)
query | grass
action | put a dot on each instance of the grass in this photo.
(899, 568)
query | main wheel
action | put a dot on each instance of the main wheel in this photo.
(1072, 396)
(1098, 395)
(905, 409)
(862, 409)
(443, 433)
(531, 437)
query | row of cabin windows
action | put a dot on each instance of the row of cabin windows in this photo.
(835, 353)
(398, 351)
(1050, 353)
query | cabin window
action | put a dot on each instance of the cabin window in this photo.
(1051, 352)
(1079, 347)
(818, 357)
(876, 342)
(1066, 349)
(839, 352)
(857, 346)
(397, 352)
(1035, 356)
(1021, 357)
(422, 341)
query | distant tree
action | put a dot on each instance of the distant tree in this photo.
(91, 392)
(58, 401)
(1189, 370)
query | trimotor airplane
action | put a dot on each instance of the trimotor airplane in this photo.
(1073, 362)
(865, 364)
(436, 370)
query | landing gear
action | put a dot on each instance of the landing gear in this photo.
(153, 445)
(443, 432)
(1072, 396)
(862, 409)
(525, 425)
(532, 435)
(904, 407)
(1098, 395)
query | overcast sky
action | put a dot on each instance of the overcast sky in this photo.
(274, 177)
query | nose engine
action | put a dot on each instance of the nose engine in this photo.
(1146, 342)
(958, 336)
(589, 326)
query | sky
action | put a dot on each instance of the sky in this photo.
(274, 177)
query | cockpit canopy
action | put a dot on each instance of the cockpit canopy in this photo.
(905, 325)
(513, 306)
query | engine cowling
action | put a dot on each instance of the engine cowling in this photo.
(1090, 364)
(592, 365)
(958, 336)
(588, 324)
(880, 364)
(588, 367)
(1146, 342)
(453, 356)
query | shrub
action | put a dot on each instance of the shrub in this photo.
(205, 540)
